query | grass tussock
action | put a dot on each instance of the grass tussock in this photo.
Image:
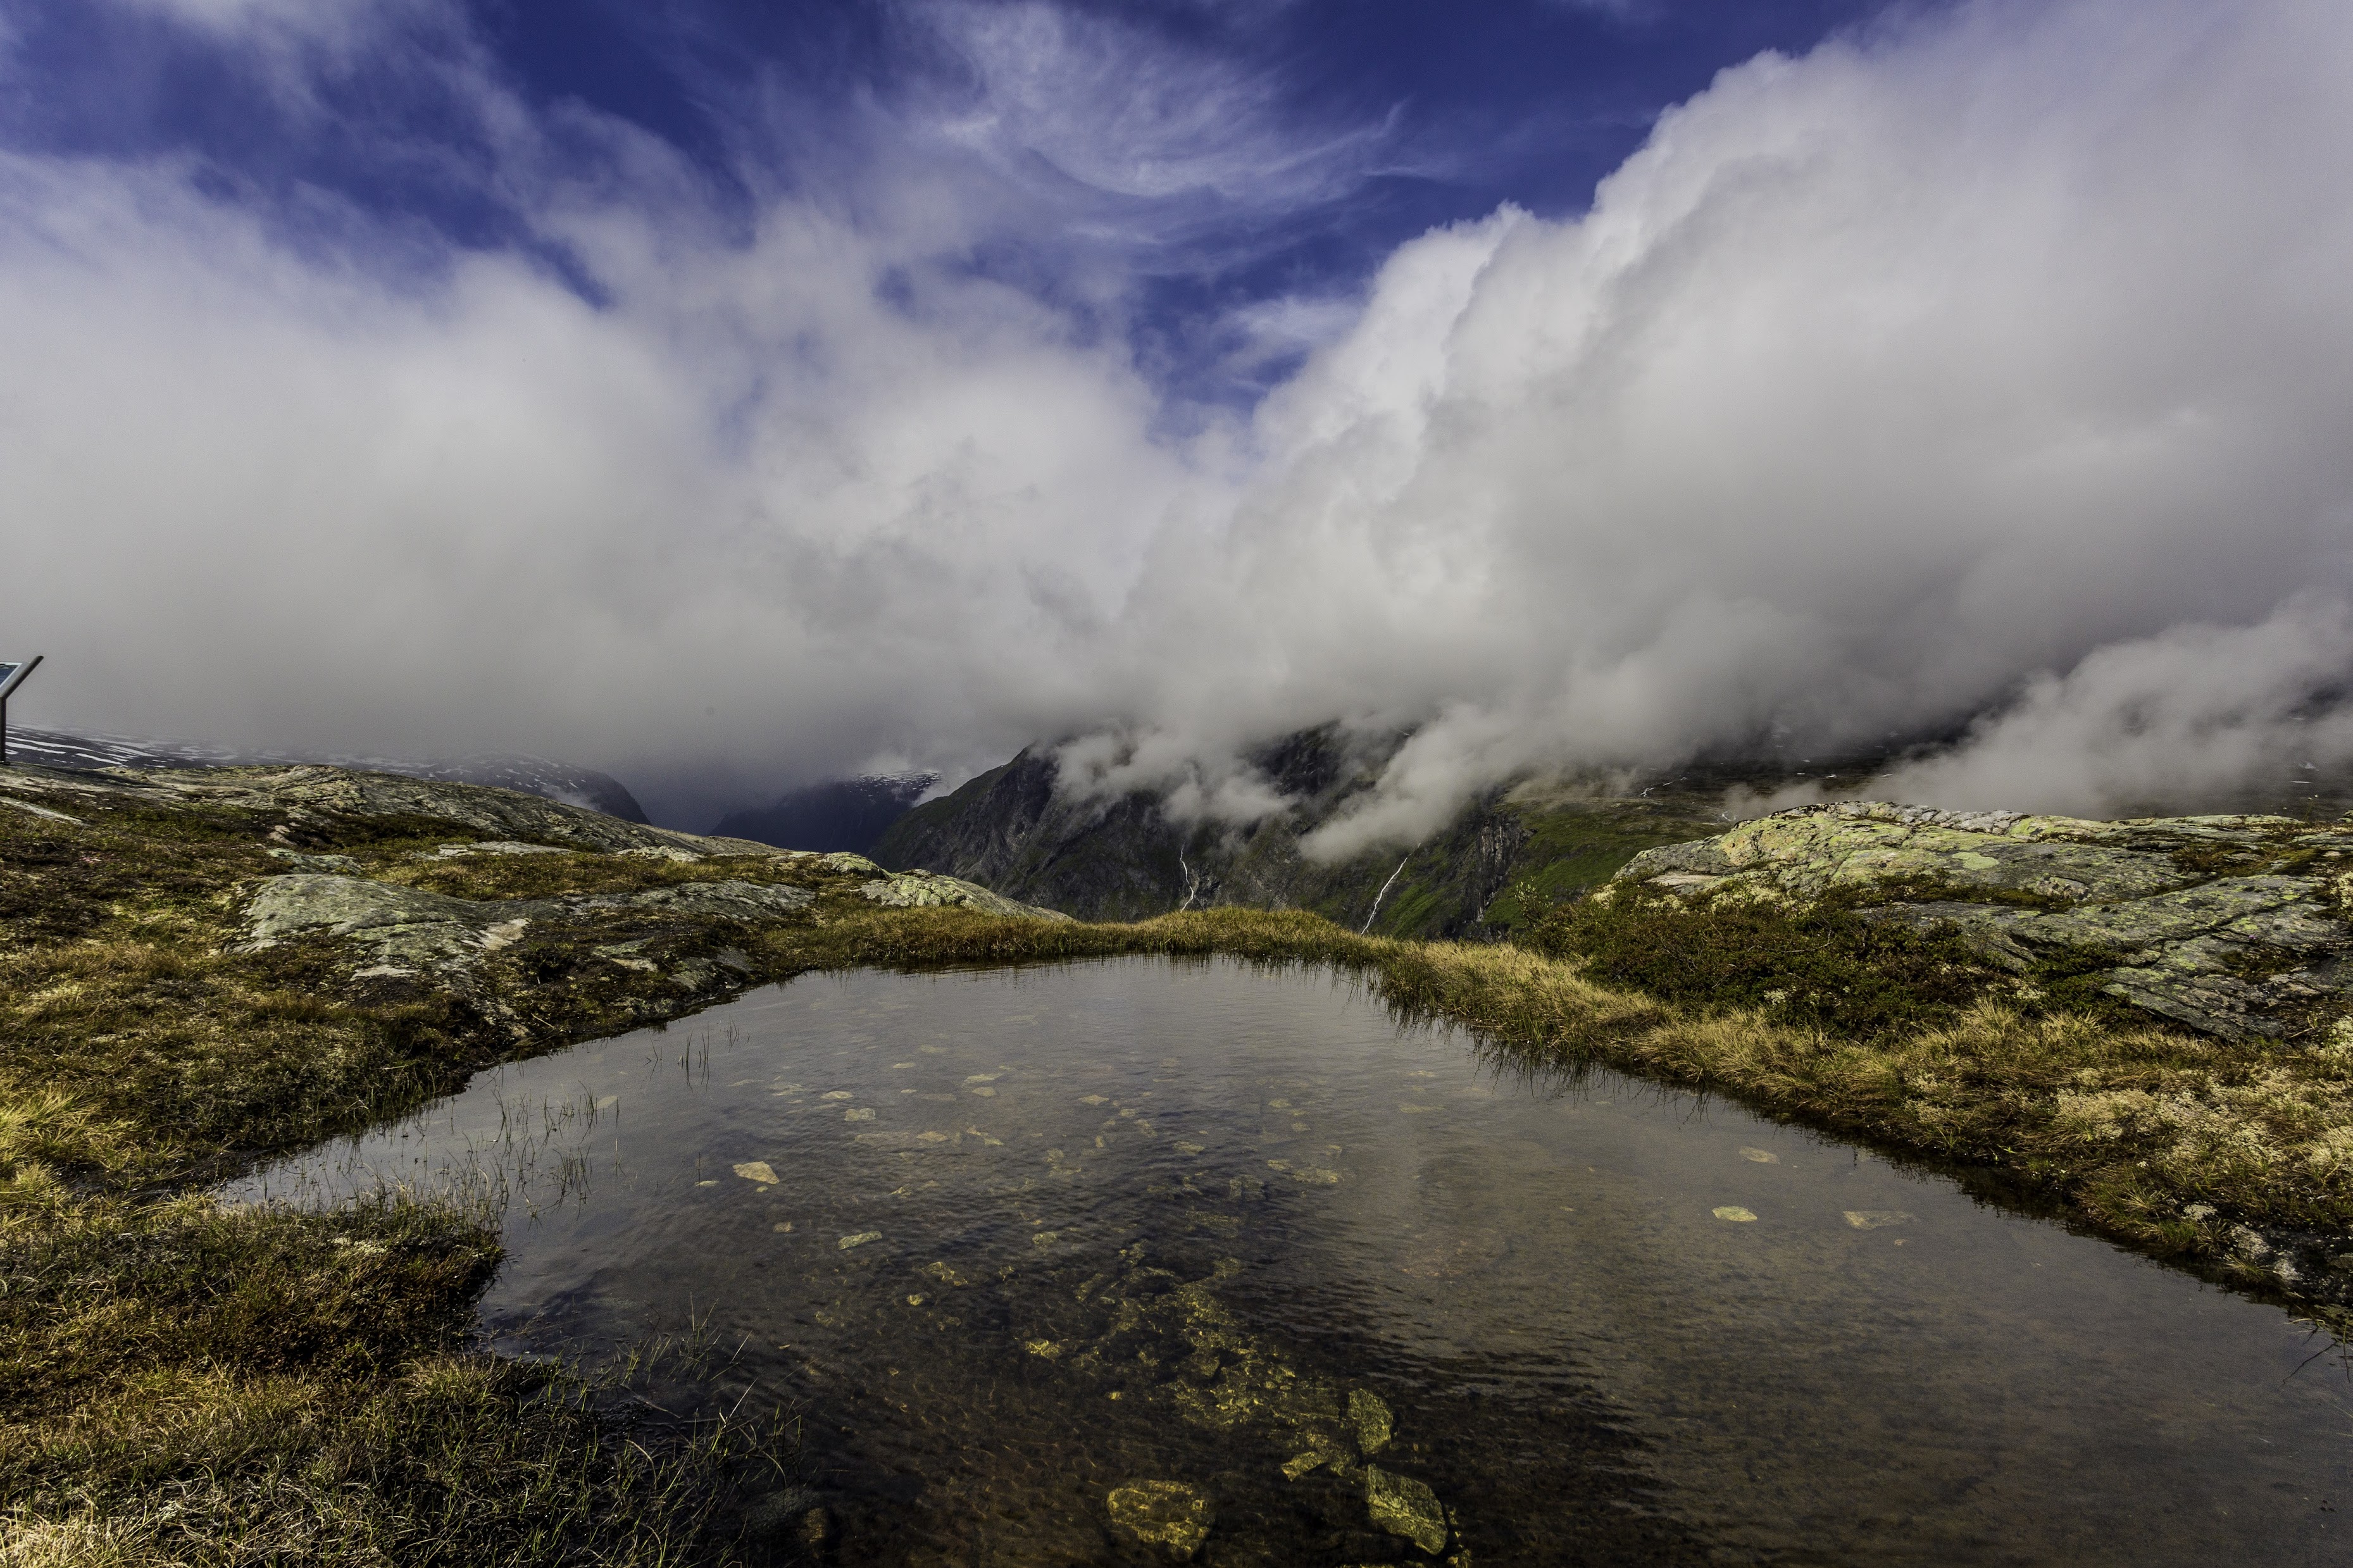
(190, 1383)
(460, 1460)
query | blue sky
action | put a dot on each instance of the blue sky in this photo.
(1176, 162)
(735, 395)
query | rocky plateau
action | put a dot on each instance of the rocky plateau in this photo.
(2233, 925)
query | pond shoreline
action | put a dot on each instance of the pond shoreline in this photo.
(153, 1051)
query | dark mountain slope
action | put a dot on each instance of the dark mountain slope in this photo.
(1124, 860)
(845, 813)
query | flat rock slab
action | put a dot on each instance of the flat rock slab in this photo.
(2233, 925)
(399, 931)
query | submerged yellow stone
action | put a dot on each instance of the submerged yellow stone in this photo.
(1403, 1506)
(1372, 1421)
(1163, 1514)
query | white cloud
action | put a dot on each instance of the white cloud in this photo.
(1878, 382)
(288, 39)
(281, 502)
(1095, 100)
(2189, 717)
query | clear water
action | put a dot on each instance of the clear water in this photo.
(1148, 1221)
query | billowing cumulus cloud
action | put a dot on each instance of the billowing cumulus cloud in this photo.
(2184, 717)
(1879, 385)
(1996, 364)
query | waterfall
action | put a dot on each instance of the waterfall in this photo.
(1383, 894)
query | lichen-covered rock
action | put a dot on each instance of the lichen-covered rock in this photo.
(722, 900)
(335, 864)
(509, 847)
(927, 890)
(2233, 925)
(1814, 849)
(396, 931)
(400, 932)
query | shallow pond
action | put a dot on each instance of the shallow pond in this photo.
(1019, 1245)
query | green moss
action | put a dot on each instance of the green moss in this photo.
(1574, 848)
(1410, 906)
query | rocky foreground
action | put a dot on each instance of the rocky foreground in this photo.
(391, 929)
(200, 968)
(2235, 926)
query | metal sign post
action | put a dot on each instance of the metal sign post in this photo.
(12, 676)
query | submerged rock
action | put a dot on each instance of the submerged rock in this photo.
(2233, 925)
(1403, 1506)
(1372, 1421)
(1163, 1514)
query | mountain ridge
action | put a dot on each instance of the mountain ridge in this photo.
(567, 784)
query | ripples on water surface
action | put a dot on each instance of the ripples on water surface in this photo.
(1014, 1242)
